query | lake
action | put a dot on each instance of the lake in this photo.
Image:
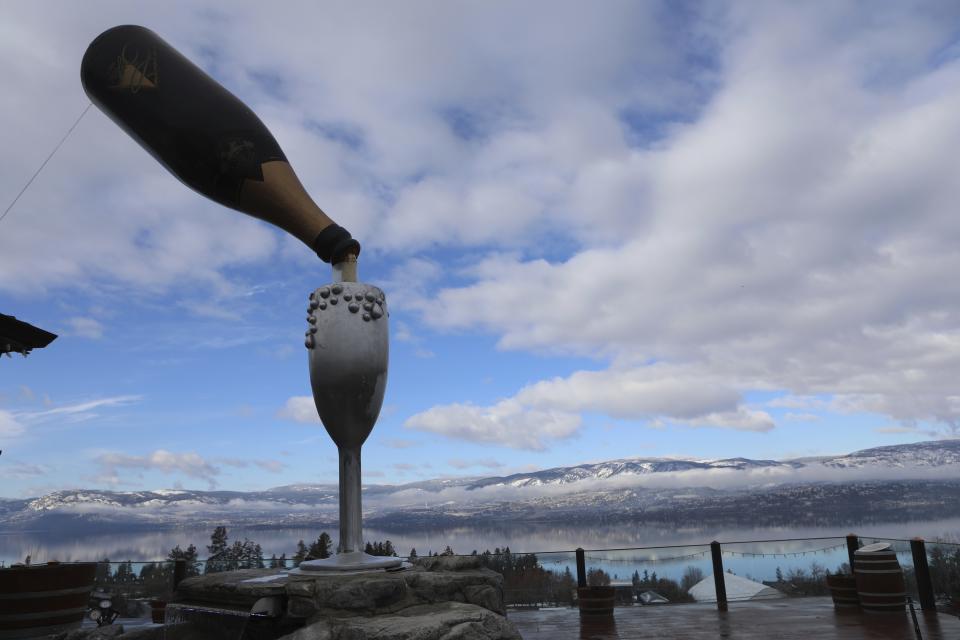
(758, 560)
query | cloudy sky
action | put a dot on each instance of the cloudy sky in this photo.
(615, 230)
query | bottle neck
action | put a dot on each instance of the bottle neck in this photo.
(346, 270)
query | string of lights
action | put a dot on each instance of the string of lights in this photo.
(726, 552)
(648, 560)
(787, 554)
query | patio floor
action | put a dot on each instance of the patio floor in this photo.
(787, 619)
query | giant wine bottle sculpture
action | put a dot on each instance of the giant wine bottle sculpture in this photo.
(216, 145)
(204, 135)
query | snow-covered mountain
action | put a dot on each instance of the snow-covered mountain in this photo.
(921, 455)
(936, 453)
(625, 468)
(914, 480)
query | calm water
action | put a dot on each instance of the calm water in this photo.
(758, 560)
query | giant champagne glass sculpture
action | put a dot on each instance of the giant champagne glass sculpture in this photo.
(214, 143)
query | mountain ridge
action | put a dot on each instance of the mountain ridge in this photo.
(626, 488)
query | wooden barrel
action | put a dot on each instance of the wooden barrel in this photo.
(843, 590)
(595, 601)
(880, 584)
(38, 600)
(158, 611)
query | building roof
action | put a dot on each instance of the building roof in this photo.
(21, 337)
(652, 597)
(737, 589)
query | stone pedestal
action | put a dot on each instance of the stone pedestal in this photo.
(442, 598)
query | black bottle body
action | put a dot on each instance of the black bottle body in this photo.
(203, 134)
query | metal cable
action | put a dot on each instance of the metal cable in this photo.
(37, 172)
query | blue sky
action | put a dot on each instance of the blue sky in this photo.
(651, 229)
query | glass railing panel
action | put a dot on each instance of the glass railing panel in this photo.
(943, 558)
(781, 568)
(530, 580)
(653, 575)
(537, 580)
(130, 586)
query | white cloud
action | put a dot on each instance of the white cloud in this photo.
(799, 402)
(300, 409)
(742, 419)
(754, 197)
(486, 463)
(507, 424)
(797, 235)
(635, 393)
(190, 464)
(403, 333)
(407, 141)
(400, 443)
(801, 417)
(550, 409)
(10, 427)
(23, 470)
(273, 466)
(85, 327)
(83, 409)
(895, 430)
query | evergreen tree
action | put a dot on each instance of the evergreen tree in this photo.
(218, 541)
(301, 554)
(597, 577)
(103, 571)
(244, 555)
(691, 576)
(216, 551)
(125, 573)
(189, 555)
(326, 544)
(565, 588)
(779, 575)
(413, 555)
(321, 548)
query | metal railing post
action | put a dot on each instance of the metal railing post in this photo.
(718, 580)
(922, 571)
(853, 543)
(179, 572)
(581, 568)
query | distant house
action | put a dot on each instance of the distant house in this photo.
(737, 589)
(652, 597)
(622, 591)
